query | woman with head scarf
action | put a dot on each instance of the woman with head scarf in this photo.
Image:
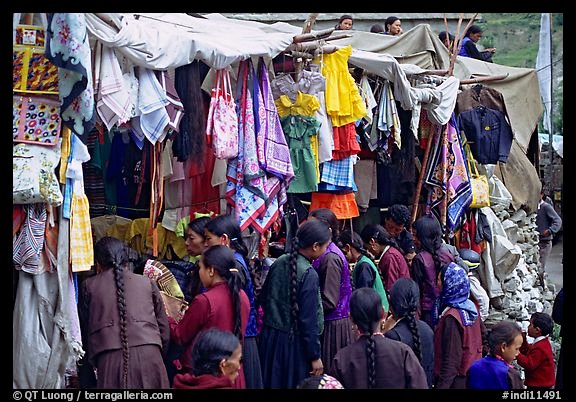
(457, 335)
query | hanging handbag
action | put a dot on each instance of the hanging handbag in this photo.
(478, 183)
(222, 126)
(36, 120)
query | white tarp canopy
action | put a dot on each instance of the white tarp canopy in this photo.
(160, 41)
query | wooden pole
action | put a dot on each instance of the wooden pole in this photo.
(459, 43)
(484, 79)
(299, 65)
(444, 204)
(416, 202)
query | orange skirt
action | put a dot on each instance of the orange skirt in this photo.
(343, 205)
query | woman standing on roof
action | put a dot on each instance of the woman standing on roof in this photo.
(469, 49)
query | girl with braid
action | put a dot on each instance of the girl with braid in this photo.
(391, 262)
(431, 257)
(335, 291)
(402, 324)
(225, 230)
(374, 361)
(124, 321)
(365, 273)
(293, 318)
(223, 305)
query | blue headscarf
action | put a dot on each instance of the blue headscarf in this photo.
(455, 293)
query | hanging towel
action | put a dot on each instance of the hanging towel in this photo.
(113, 100)
(152, 101)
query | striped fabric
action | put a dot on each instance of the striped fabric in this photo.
(29, 242)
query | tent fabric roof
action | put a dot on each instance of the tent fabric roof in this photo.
(168, 40)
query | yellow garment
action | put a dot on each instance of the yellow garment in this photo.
(344, 103)
(64, 153)
(305, 105)
(314, 147)
(81, 247)
(140, 239)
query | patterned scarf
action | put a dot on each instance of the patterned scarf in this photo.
(455, 293)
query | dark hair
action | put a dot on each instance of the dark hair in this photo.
(355, 241)
(194, 284)
(197, 225)
(543, 321)
(442, 36)
(308, 233)
(366, 311)
(345, 17)
(377, 28)
(329, 217)
(222, 259)
(389, 21)
(110, 252)
(404, 302)
(502, 332)
(228, 225)
(210, 347)
(473, 29)
(399, 213)
(429, 233)
(379, 234)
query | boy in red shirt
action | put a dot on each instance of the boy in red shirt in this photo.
(537, 358)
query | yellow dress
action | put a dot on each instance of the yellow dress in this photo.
(344, 103)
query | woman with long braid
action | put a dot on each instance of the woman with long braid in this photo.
(124, 321)
(293, 319)
(365, 273)
(225, 230)
(402, 324)
(335, 290)
(223, 305)
(374, 361)
(431, 257)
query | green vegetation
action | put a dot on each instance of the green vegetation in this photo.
(516, 37)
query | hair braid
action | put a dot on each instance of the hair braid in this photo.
(411, 317)
(234, 285)
(371, 354)
(119, 278)
(294, 284)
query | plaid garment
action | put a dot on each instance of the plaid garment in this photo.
(81, 247)
(339, 172)
(152, 102)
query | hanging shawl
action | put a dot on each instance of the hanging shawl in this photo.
(448, 170)
(245, 186)
(273, 151)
